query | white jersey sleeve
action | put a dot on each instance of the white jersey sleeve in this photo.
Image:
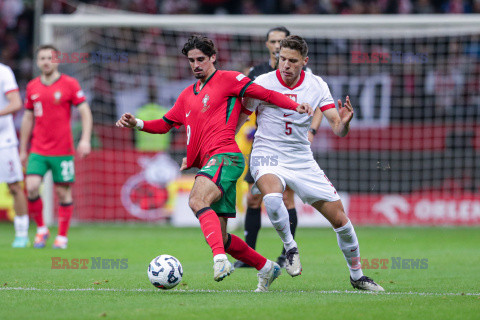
(8, 136)
(7, 79)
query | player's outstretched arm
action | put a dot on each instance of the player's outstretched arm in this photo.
(84, 146)
(128, 120)
(258, 92)
(340, 120)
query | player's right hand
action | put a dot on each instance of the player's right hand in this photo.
(305, 108)
(127, 121)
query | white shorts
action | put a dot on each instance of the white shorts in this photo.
(10, 166)
(310, 184)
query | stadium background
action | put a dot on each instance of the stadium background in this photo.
(413, 151)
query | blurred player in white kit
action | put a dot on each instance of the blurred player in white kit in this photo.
(10, 165)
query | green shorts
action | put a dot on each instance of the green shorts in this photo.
(63, 167)
(224, 169)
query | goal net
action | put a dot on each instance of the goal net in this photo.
(412, 154)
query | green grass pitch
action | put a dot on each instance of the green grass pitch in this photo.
(449, 288)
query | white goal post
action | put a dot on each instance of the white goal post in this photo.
(344, 34)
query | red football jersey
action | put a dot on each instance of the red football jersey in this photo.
(51, 105)
(210, 115)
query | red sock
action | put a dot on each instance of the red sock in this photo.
(240, 250)
(211, 229)
(64, 215)
(35, 208)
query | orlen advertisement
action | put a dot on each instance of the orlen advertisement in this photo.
(415, 209)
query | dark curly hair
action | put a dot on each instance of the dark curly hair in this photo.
(201, 43)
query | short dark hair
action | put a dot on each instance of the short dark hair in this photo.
(295, 43)
(45, 47)
(201, 43)
(281, 29)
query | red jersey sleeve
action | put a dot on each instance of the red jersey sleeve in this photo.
(237, 82)
(258, 92)
(77, 93)
(156, 126)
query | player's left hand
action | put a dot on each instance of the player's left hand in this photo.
(83, 148)
(305, 108)
(184, 164)
(345, 111)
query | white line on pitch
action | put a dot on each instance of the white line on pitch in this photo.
(246, 291)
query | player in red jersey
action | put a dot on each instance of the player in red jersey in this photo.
(209, 110)
(48, 102)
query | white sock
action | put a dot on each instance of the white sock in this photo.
(348, 243)
(278, 214)
(20, 224)
(219, 257)
(268, 265)
(42, 230)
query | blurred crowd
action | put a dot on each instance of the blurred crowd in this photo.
(436, 85)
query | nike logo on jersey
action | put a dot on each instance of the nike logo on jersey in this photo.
(187, 114)
(287, 115)
(351, 250)
(209, 235)
(34, 96)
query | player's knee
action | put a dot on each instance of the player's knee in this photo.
(273, 201)
(339, 220)
(63, 194)
(32, 191)
(254, 200)
(196, 203)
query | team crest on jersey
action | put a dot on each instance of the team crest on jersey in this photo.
(205, 101)
(57, 95)
(292, 96)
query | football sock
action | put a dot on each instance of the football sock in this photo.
(64, 215)
(292, 216)
(210, 225)
(20, 224)
(268, 265)
(348, 243)
(219, 257)
(35, 208)
(240, 250)
(253, 220)
(278, 214)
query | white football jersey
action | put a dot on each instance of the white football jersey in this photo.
(8, 136)
(284, 132)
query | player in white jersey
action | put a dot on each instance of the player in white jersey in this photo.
(10, 166)
(281, 156)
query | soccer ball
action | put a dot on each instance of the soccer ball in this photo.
(165, 272)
